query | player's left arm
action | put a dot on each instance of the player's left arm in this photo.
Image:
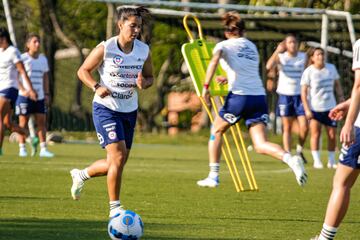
(339, 91)
(146, 78)
(214, 62)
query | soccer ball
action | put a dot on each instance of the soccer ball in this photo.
(125, 225)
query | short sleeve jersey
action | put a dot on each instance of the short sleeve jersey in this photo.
(35, 69)
(290, 71)
(240, 60)
(356, 66)
(8, 72)
(118, 72)
(321, 84)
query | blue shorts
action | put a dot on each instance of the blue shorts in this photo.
(112, 126)
(253, 109)
(323, 118)
(350, 156)
(26, 106)
(10, 94)
(290, 106)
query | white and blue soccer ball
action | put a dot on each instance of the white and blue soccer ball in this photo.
(125, 225)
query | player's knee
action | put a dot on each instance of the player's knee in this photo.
(259, 148)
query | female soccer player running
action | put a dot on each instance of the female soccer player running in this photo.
(246, 99)
(319, 79)
(37, 68)
(10, 67)
(291, 64)
(124, 64)
(349, 167)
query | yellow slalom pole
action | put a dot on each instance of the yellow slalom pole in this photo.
(237, 185)
(241, 153)
(247, 157)
(229, 150)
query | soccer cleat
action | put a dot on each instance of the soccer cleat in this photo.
(332, 165)
(34, 144)
(318, 165)
(77, 185)
(301, 155)
(296, 164)
(116, 211)
(22, 152)
(45, 153)
(208, 182)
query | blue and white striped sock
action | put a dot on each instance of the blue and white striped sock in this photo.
(83, 174)
(214, 170)
(327, 232)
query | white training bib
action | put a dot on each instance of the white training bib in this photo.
(35, 69)
(119, 72)
(240, 60)
(321, 83)
(290, 71)
(355, 66)
(8, 72)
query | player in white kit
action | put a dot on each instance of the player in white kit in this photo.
(124, 64)
(36, 66)
(291, 64)
(349, 164)
(239, 57)
(10, 68)
(318, 82)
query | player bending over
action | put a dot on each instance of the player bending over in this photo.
(246, 99)
(124, 64)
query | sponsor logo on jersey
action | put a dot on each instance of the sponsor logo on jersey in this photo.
(113, 83)
(230, 117)
(119, 95)
(131, 67)
(123, 75)
(248, 53)
(112, 135)
(117, 59)
(101, 138)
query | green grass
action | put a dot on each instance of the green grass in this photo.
(159, 184)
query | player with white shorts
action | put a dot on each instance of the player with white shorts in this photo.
(124, 64)
(246, 99)
(349, 164)
(318, 82)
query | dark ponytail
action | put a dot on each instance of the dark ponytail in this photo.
(4, 33)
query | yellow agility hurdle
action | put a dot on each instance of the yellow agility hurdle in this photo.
(197, 54)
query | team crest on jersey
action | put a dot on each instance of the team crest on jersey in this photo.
(118, 60)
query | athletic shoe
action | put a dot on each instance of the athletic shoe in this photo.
(116, 211)
(34, 144)
(22, 152)
(301, 155)
(77, 185)
(208, 182)
(318, 165)
(296, 164)
(332, 165)
(45, 153)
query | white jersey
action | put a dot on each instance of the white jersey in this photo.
(321, 83)
(290, 71)
(119, 72)
(8, 72)
(355, 66)
(35, 69)
(240, 60)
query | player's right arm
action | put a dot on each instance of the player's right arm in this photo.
(91, 63)
(305, 83)
(274, 59)
(214, 62)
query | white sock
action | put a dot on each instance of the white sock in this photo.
(84, 175)
(327, 233)
(114, 206)
(43, 145)
(286, 158)
(299, 148)
(316, 157)
(331, 157)
(214, 170)
(22, 146)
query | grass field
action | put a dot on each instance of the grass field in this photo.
(159, 184)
